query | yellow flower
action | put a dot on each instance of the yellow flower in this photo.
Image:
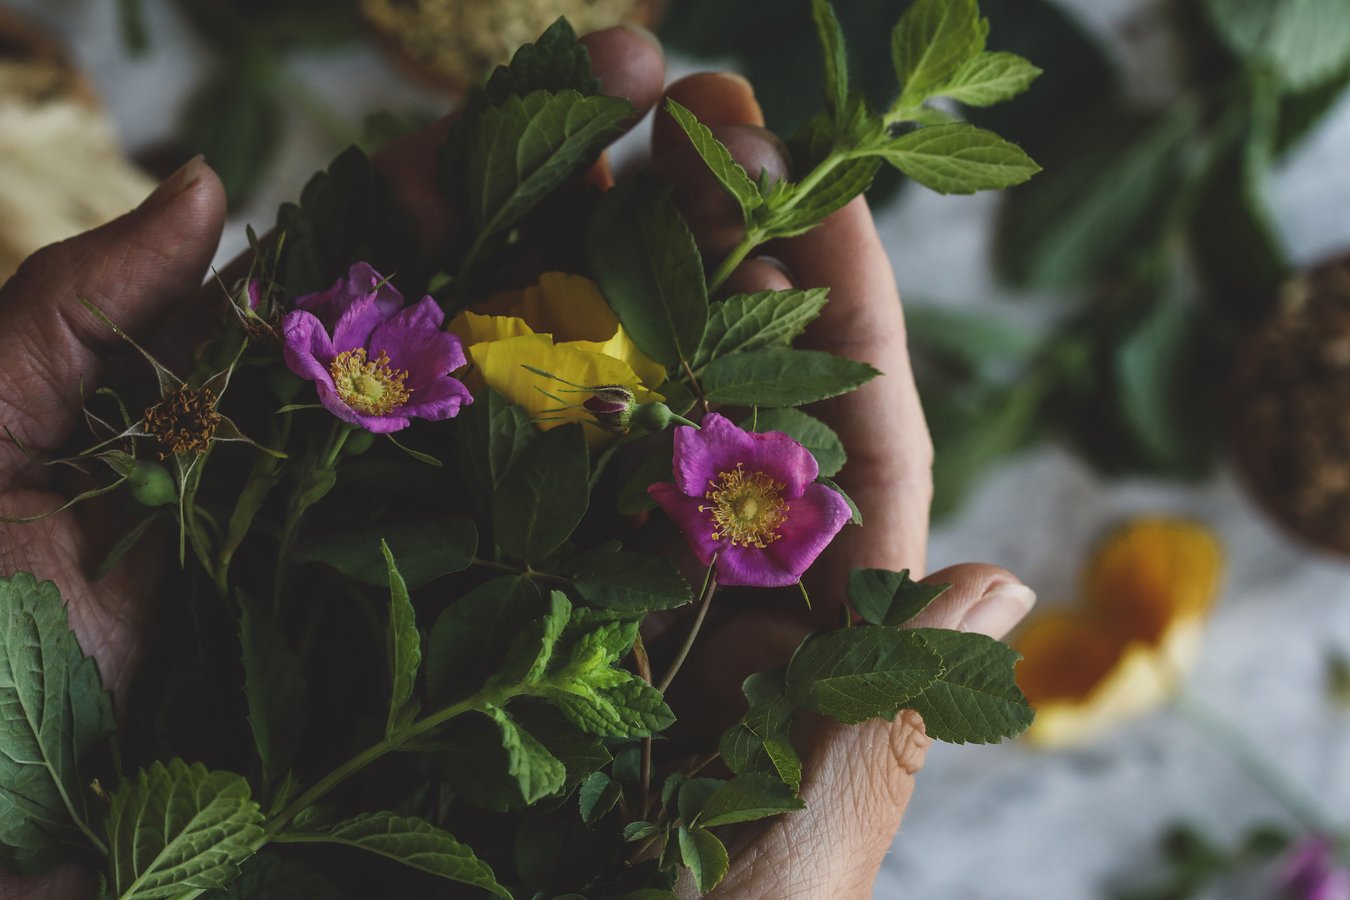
(561, 326)
(1148, 590)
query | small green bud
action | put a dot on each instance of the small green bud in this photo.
(358, 442)
(150, 483)
(658, 417)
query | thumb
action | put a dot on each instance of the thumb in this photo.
(134, 269)
(858, 779)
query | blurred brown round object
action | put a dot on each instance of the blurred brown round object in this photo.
(1292, 408)
(61, 169)
(452, 43)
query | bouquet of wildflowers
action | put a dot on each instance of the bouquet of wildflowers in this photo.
(429, 509)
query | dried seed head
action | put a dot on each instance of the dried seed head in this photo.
(184, 421)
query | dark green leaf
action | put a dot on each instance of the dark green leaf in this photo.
(746, 798)
(856, 517)
(768, 319)
(630, 582)
(774, 378)
(633, 496)
(543, 495)
(597, 796)
(990, 78)
(860, 673)
(487, 438)
(975, 699)
(579, 752)
(972, 435)
(762, 741)
(718, 159)
(274, 685)
(266, 876)
(705, 856)
(411, 841)
(933, 39)
(176, 828)
(959, 159)
(557, 61)
(404, 645)
(426, 550)
(538, 772)
(890, 598)
(470, 638)
(810, 432)
(692, 793)
(55, 721)
(973, 343)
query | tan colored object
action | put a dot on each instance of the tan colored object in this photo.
(61, 169)
(452, 43)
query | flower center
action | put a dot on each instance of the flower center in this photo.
(184, 420)
(747, 507)
(367, 386)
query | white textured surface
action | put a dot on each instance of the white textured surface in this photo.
(999, 823)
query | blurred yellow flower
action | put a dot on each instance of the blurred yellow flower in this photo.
(561, 326)
(1147, 592)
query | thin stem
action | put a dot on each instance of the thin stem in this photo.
(709, 588)
(644, 670)
(733, 259)
(516, 570)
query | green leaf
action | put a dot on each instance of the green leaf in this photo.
(630, 582)
(409, 840)
(975, 699)
(404, 647)
(611, 703)
(719, 160)
(649, 268)
(470, 638)
(274, 685)
(836, 56)
(973, 344)
(522, 149)
(890, 598)
(532, 650)
(636, 831)
(856, 517)
(762, 740)
(774, 378)
(975, 434)
(705, 856)
(544, 495)
(266, 876)
(768, 319)
(746, 798)
(809, 206)
(810, 432)
(175, 828)
(990, 78)
(488, 436)
(959, 159)
(931, 42)
(860, 673)
(557, 61)
(235, 120)
(55, 721)
(633, 496)
(597, 797)
(538, 772)
(690, 794)
(1304, 41)
(579, 752)
(426, 550)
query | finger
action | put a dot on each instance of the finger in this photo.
(757, 274)
(982, 598)
(715, 98)
(135, 270)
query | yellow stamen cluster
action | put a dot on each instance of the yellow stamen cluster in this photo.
(747, 507)
(184, 420)
(369, 386)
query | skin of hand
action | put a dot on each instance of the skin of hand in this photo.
(142, 267)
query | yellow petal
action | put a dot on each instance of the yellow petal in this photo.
(621, 346)
(473, 328)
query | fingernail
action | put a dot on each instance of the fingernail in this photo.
(1000, 609)
(175, 184)
(646, 34)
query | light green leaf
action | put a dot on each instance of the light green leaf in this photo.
(774, 378)
(404, 645)
(537, 771)
(746, 798)
(705, 856)
(523, 148)
(409, 840)
(836, 56)
(990, 78)
(426, 550)
(274, 685)
(611, 703)
(810, 432)
(859, 673)
(975, 699)
(718, 159)
(883, 597)
(175, 828)
(544, 495)
(931, 42)
(761, 321)
(649, 268)
(636, 831)
(55, 720)
(762, 740)
(629, 582)
(809, 206)
(959, 159)
(597, 796)
(532, 650)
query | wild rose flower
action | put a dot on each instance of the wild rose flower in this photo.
(1311, 873)
(375, 363)
(750, 501)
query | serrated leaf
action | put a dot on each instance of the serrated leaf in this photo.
(729, 173)
(959, 159)
(809, 207)
(544, 495)
(175, 828)
(636, 831)
(775, 378)
(274, 685)
(762, 740)
(690, 795)
(409, 840)
(857, 674)
(538, 772)
(633, 496)
(810, 432)
(597, 796)
(404, 645)
(990, 78)
(883, 597)
(612, 704)
(470, 638)
(630, 582)
(532, 650)
(705, 856)
(555, 62)
(426, 550)
(836, 56)
(975, 699)
(768, 319)
(55, 720)
(855, 514)
(525, 147)
(931, 42)
(649, 268)
(746, 798)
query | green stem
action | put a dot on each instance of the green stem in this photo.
(733, 259)
(709, 588)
